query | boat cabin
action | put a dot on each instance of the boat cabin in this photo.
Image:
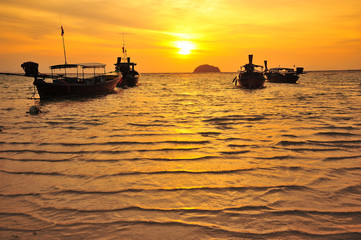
(282, 70)
(250, 67)
(77, 73)
(125, 67)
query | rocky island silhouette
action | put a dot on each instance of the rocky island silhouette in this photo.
(205, 68)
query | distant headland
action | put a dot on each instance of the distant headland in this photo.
(205, 68)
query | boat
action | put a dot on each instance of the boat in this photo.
(129, 75)
(282, 74)
(74, 80)
(250, 76)
(71, 82)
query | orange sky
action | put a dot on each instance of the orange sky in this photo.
(179, 35)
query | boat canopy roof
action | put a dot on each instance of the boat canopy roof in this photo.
(81, 65)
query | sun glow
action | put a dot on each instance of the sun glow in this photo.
(185, 47)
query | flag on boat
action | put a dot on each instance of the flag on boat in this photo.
(124, 50)
(62, 31)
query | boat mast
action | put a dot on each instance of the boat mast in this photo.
(62, 36)
(124, 51)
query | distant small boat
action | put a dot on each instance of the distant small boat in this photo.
(72, 84)
(129, 75)
(250, 76)
(282, 74)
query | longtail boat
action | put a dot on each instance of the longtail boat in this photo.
(130, 76)
(282, 74)
(250, 76)
(73, 81)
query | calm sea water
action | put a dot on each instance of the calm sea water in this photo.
(184, 156)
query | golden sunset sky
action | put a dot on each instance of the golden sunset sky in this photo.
(179, 35)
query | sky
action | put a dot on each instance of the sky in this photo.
(165, 36)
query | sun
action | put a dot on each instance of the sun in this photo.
(185, 47)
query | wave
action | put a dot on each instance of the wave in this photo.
(19, 194)
(150, 124)
(165, 159)
(250, 118)
(336, 127)
(187, 142)
(235, 152)
(266, 189)
(291, 143)
(282, 157)
(329, 145)
(356, 189)
(341, 158)
(24, 151)
(203, 228)
(38, 160)
(334, 142)
(175, 172)
(17, 143)
(260, 210)
(144, 209)
(342, 143)
(336, 134)
(55, 174)
(183, 172)
(313, 149)
(168, 149)
(144, 134)
(64, 152)
(128, 173)
(289, 135)
(178, 189)
(208, 134)
(345, 169)
(240, 145)
(72, 144)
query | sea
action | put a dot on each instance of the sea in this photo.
(184, 156)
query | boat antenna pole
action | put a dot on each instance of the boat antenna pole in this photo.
(62, 36)
(124, 51)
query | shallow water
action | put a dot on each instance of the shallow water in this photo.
(184, 156)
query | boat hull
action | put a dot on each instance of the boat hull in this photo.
(55, 90)
(253, 80)
(128, 81)
(281, 78)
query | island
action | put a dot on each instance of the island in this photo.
(205, 68)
